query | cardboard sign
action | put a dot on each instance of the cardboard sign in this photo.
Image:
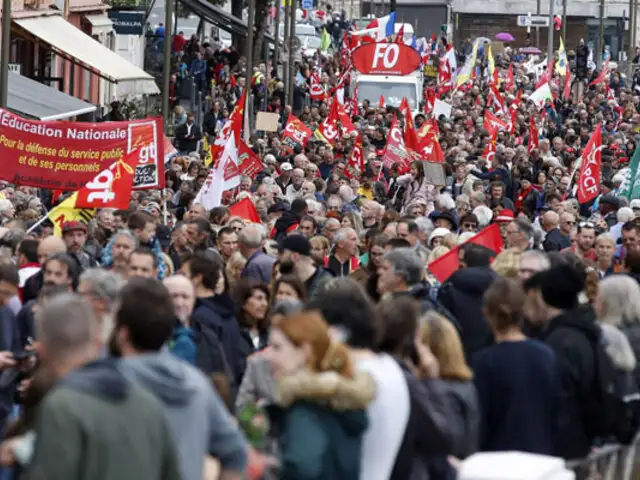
(434, 173)
(267, 122)
(441, 108)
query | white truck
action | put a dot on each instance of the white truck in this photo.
(393, 88)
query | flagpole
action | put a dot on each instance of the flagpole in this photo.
(164, 212)
(37, 224)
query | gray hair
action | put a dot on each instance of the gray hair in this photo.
(606, 236)
(483, 214)
(5, 204)
(251, 237)
(525, 227)
(67, 326)
(407, 264)
(424, 225)
(105, 284)
(446, 202)
(620, 296)
(462, 200)
(537, 256)
(624, 215)
(341, 235)
(332, 221)
(129, 234)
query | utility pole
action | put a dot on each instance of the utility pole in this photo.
(600, 37)
(285, 62)
(276, 35)
(292, 34)
(4, 52)
(550, 33)
(166, 72)
(249, 49)
(538, 28)
(564, 20)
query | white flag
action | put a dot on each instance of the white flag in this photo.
(541, 95)
(210, 195)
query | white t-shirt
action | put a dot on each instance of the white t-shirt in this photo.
(388, 417)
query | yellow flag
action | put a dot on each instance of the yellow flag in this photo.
(66, 212)
(467, 69)
(561, 64)
(490, 62)
(208, 159)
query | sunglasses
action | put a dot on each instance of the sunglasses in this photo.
(469, 225)
(586, 225)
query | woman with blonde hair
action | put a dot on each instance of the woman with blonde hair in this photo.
(442, 338)
(320, 248)
(235, 265)
(507, 263)
(323, 397)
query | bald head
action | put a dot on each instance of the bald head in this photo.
(182, 295)
(550, 220)
(49, 246)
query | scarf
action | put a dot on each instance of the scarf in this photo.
(522, 194)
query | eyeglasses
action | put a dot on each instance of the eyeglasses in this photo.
(469, 225)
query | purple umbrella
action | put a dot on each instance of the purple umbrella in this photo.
(505, 37)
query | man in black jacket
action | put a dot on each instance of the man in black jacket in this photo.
(188, 135)
(462, 294)
(571, 331)
(554, 240)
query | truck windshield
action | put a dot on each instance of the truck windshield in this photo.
(392, 92)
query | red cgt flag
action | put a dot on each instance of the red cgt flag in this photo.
(443, 267)
(111, 188)
(245, 209)
(533, 135)
(590, 168)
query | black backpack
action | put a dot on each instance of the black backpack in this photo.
(614, 409)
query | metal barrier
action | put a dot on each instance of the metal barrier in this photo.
(610, 462)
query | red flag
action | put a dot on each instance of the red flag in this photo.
(490, 148)
(111, 188)
(430, 149)
(511, 126)
(498, 100)
(443, 267)
(516, 103)
(546, 76)
(316, 90)
(566, 91)
(400, 34)
(233, 125)
(381, 102)
(533, 135)
(55, 195)
(510, 81)
(346, 125)
(249, 163)
(395, 151)
(355, 164)
(492, 122)
(328, 129)
(589, 176)
(245, 209)
(232, 81)
(295, 134)
(430, 100)
(444, 76)
(602, 76)
(410, 135)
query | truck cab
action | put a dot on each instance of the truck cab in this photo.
(393, 88)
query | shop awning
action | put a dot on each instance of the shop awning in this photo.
(220, 18)
(100, 23)
(70, 42)
(36, 100)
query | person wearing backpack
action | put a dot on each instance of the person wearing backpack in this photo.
(571, 332)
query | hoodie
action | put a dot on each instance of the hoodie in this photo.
(217, 314)
(197, 418)
(462, 295)
(572, 336)
(95, 424)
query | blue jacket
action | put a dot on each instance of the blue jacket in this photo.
(259, 267)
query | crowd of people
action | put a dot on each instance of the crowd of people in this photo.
(318, 341)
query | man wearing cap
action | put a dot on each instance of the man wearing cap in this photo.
(74, 234)
(295, 258)
(283, 181)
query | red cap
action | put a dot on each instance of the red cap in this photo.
(73, 226)
(505, 216)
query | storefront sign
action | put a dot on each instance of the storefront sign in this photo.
(66, 155)
(127, 22)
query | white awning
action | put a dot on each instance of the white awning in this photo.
(70, 41)
(100, 23)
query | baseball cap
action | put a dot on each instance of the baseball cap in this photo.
(297, 244)
(505, 216)
(610, 200)
(73, 226)
(286, 167)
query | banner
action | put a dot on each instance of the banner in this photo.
(66, 155)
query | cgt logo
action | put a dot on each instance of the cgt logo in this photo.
(385, 59)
